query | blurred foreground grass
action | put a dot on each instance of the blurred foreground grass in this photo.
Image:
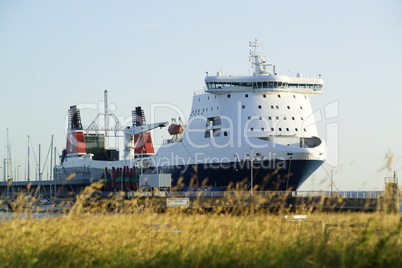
(179, 239)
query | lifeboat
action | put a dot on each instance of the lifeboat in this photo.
(175, 129)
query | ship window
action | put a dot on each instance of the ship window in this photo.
(215, 96)
(301, 118)
(265, 84)
(296, 129)
(284, 118)
(203, 110)
(270, 84)
(262, 129)
(279, 96)
(216, 132)
(280, 129)
(294, 96)
(270, 118)
(228, 95)
(212, 108)
(246, 95)
(279, 84)
(243, 106)
(247, 155)
(259, 106)
(293, 85)
(249, 117)
(207, 134)
(272, 107)
(301, 108)
(305, 97)
(199, 99)
(258, 154)
(225, 133)
(275, 84)
(213, 121)
(288, 107)
(293, 118)
(287, 129)
(252, 129)
(304, 129)
(208, 98)
(260, 117)
(264, 96)
(277, 118)
(277, 107)
(207, 109)
(272, 129)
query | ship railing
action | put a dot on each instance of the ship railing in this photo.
(342, 194)
(199, 92)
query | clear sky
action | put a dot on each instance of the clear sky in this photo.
(54, 54)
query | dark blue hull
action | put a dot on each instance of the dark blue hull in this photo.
(268, 175)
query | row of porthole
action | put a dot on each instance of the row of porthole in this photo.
(272, 107)
(276, 118)
(246, 95)
(264, 96)
(280, 129)
(204, 110)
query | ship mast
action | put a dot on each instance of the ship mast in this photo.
(106, 113)
(258, 61)
(7, 162)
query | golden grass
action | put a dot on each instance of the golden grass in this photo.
(178, 239)
(110, 233)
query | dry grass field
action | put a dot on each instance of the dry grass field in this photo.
(136, 237)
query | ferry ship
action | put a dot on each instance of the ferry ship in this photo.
(257, 129)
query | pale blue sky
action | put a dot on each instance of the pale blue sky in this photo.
(54, 54)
